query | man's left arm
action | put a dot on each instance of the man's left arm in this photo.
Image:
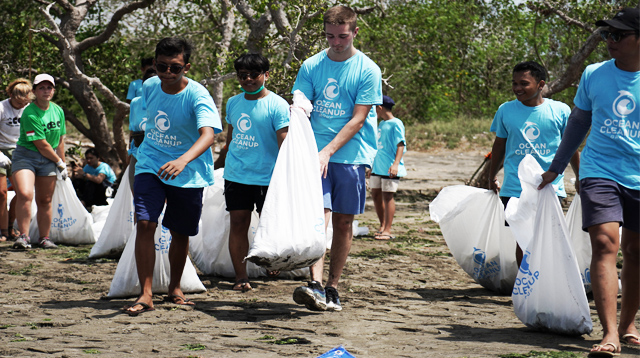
(170, 170)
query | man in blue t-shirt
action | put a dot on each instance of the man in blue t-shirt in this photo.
(92, 180)
(135, 87)
(343, 84)
(607, 103)
(174, 164)
(258, 124)
(530, 124)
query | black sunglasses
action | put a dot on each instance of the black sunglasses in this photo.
(244, 75)
(175, 69)
(615, 36)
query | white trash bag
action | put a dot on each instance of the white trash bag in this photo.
(118, 225)
(71, 223)
(548, 294)
(291, 232)
(472, 223)
(125, 281)
(580, 241)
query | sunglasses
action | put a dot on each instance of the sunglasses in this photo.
(615, 36)
(244, 75)
(162, 68)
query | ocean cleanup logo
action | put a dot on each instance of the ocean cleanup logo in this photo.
(331, 89)
(244, 123)
(525, 282)
(485, 270)
(624, 104)
(330, 106)
(531, 131)
(241, 139)
(164, 241)
(162, 122)
(62, 223)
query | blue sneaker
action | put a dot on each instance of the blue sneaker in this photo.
(312, 296)
(333, 299)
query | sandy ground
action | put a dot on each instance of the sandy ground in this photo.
(405, 298)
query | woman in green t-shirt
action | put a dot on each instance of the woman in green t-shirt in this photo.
(39, 152)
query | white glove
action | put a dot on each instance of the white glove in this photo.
(4, 160)
(62, 167)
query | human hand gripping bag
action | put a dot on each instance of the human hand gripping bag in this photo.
(71, 223)
(580, 241)
(118, 225)
(472, 223)
(548, 294)
(291, 232)
(125, 282)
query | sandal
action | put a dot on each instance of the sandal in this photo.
(242, 285)
(630, 339)
(606, 354)
(179, 300)
(384, 237)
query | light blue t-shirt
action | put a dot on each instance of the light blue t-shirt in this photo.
(612, 150)
(103, 168)
(171, 129)
(254, 148)
(137, 120)
(335, 88)
(135, 89)
(390, 134)
(530, 130)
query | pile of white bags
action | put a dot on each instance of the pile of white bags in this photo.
(548, 294)
(580, 241)
(291, 232)
(472, 223)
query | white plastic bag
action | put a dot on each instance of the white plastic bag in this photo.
(291, 231)
(580, 241)
(472, 223)
(71, 223)
(125, 281)
(548, 294)
(119, 223)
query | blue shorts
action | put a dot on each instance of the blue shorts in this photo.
(24, 158)
(184, 205)
(604, 200)
(344, 189)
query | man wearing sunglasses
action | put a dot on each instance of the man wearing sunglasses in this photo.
(343, 84)
(174, 164)
(608, 103)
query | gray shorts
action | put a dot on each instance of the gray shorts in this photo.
(9, 153)
(605, 201)
(24, 158)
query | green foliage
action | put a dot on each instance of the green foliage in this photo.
(193, 346)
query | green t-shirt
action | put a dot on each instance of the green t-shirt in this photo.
(37, 124)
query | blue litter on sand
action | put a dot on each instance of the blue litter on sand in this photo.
(337, 352)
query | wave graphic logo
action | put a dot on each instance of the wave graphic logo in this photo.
(162, 122)
(244, 123)
(531, 131)
(331, 89)
(60, 211)
(624, 104)
(479, 256)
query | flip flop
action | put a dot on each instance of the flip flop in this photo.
(629, 338)
(145, 308)
(179, 300)
(604, 354)
(3, 238)
(244, 285)
(384, 237)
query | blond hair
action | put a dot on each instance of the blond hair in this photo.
(341, 15)
(20, 89)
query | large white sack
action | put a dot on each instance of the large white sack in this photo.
(291, 232)
(580, 241)
(548, 294)
(118, 225)
(71, 223)
(472, 223)
(125, 281)
(99, 215)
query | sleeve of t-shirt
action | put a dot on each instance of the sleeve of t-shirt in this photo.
(33, 127)
(497, 125)
(582, 99)
(63, 123)
(398, 134)
(370, 88)
(304, 82)
(280, 115)
(207, 113)
(566, 112)
(131, 93)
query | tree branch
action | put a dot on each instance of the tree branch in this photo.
(211, 81)
(560, 13)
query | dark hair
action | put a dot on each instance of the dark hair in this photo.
(340, 15)
(91, 151)
(146, 62)
(173, 46)
(537, 70)
(150, 72)
(251, 62)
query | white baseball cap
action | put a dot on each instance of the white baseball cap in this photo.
(42, 78)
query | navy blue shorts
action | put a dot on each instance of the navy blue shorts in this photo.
(604, 200)
(184, 205)
(243, 196)
(344, 189)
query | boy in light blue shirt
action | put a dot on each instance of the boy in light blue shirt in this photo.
(258, 124)
(174, 164)
(135, 87)
(530, 124)
(137, 124)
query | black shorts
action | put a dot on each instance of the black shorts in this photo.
(244, 197)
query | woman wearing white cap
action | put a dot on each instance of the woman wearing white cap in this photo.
(39, 152)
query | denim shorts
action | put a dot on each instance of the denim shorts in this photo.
(344, 189)
(243, 196)
(604, 200)
(24, 158)
(184, 205)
